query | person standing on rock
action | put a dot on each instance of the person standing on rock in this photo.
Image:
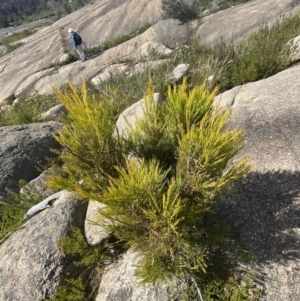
(77, 41)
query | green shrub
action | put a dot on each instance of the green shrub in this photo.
(158, 202)
(262, 54)
(13, 210)
(178, 9)
(235, 287)
(11, 217)
(158, 205)
(91, 149)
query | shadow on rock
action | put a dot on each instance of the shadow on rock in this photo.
(263, 213)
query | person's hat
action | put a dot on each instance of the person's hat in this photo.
(71, 30)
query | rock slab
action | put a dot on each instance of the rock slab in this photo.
(263, 209)
(21, 149)
(32, 261)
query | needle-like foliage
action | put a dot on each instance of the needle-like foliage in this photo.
(181, 158)
(90, 150)
(158, 204)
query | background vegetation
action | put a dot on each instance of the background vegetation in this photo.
(12, 212)
(116, 41)
(26, 109)
(12, 42)
(179, 9)
(16, 12)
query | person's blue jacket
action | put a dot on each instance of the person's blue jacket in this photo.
(76, 39)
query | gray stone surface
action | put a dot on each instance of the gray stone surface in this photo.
(22, 148)
(40, 184)
(54, 113)
(93, 232)
(27, 68)
(179, 72)
(66, 58)
(32, 261)
(131, 115)
(119, 283)
(263, 209)
(236, 23)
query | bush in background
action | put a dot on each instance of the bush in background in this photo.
(178, 9)
(27, 109)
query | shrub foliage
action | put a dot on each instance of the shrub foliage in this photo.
(158, 181)
(91, 151)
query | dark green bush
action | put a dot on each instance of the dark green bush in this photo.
(178, 9)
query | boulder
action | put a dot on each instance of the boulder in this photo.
(66, 58)
(135, 112)
(152, 49)
(119, 283)
(109, 72)
(94, 233)
(54, 113)
(179, 72)
(40, 185)
(22, 149)
(32, 262)
(263, 209)
(294, 46)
